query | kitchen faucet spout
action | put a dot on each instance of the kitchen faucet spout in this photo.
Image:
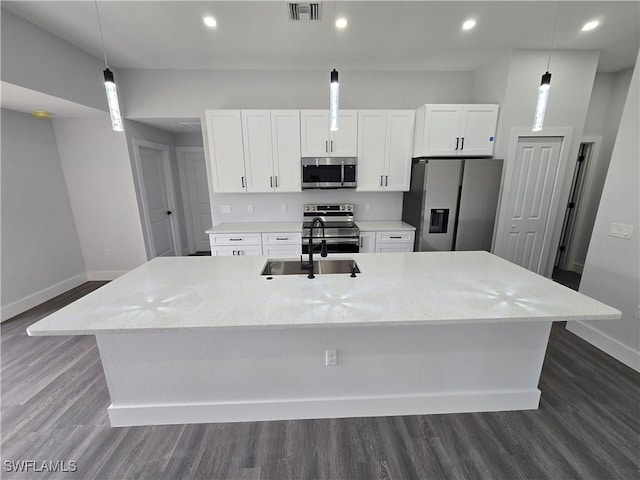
(323, 251)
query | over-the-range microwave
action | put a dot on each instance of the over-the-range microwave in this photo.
(329, 172)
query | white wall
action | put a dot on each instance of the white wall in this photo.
(187, 93)
(189, 139)
(612, 269)
(603, 118)
(41, 255)
(573, 73)
(35, 59)
(99, 179)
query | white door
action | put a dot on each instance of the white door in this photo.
(534, 181)
(157, 197)
(195, 195)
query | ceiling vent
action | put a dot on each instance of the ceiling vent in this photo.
(307, 12)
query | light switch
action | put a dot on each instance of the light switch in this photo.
(620, 230)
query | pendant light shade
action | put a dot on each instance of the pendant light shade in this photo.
(541, 105)
(112, 99)
(333, 100)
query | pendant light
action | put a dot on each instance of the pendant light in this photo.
(545, 84)
(334, 86)
(110, 85)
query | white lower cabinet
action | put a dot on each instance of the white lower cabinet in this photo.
(387, 242)
(235, 244)
(282, 244)
(367, 242)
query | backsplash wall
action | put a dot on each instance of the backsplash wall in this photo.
(268, 207)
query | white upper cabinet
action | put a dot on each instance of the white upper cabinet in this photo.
(254, 150)
(385, 140)
(451, 130)
(285, 134)
(318, 141)
(225, 150)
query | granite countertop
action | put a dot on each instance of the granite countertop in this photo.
(171, 294)
(264, 227)
(384, 226)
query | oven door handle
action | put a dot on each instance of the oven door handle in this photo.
(342, 172)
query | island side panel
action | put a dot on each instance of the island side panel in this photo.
(271, 374)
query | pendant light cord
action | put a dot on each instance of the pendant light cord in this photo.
(104, 52)
(553, 36)
(334, 33)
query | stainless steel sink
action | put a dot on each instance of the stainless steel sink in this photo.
(320, 267)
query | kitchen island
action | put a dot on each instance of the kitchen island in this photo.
(209, 339)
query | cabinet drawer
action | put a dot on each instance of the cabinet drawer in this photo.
(235, 239)
(392, 247)
(282, 250)
(288, 238)
(393, 237)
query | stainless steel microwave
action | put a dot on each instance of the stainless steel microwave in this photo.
(329, 172)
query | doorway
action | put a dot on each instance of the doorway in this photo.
(153, 173)
(195, 197)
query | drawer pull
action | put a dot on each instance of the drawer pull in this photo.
(282, 238)
(235, 239)
(394, 237)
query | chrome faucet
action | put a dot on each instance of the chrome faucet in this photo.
(323, 251)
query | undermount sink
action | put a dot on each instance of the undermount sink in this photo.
(320, 267)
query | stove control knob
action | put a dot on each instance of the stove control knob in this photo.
(341, 207)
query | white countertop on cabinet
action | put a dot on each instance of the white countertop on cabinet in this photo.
(211, 293)
(264, 227)
(384, 226)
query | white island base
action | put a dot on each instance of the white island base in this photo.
(274, 374)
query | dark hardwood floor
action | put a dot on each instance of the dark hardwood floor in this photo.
(54, 401)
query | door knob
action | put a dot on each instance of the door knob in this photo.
(169, 212)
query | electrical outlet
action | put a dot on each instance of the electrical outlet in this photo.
(107, 252)
(284, 208)
(620, 230)
(250, 208)
(367, 206)
(638, 312)
(225, 208)
(331, 358)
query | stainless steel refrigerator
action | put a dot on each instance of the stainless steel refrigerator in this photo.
(452, 203)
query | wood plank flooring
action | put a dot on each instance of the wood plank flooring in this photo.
(54, 401)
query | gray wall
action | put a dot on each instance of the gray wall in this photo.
(41, 255)
(612, 269)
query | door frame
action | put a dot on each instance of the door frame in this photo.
(560, 191)
(184, 192)
(165, 151)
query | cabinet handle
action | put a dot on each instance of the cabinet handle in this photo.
(326, 146)
(276, 181)
(381, 180)
(462, 144)
(394, 237)
(271, 181)
(234, 253)
(332, 145)
(235, 239)
(242, 180)
(341, 172)
(457, 141)
(282, 238)
(386, 180)
(361, 242)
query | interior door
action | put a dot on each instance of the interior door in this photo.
(158, 209)
(534, 181)
(198, 195)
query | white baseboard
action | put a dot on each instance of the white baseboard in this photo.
(607, 344)
(576, 267)
(35, 299)
(104, 275)
(250, 411)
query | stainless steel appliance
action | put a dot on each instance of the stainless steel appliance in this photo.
(328, 172)
(341, 234)
(452, 203)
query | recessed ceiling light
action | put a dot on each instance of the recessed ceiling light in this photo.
(468, 25)
(590, 25)
(210, 21)
(341, 22)
(41, 114)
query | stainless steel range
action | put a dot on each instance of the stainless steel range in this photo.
(341, 234)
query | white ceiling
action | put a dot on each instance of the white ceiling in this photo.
(382, 35)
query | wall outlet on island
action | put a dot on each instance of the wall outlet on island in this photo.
(284, 208)
(225, 208)
(250, 208)
(331, 358)
(367, 207)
